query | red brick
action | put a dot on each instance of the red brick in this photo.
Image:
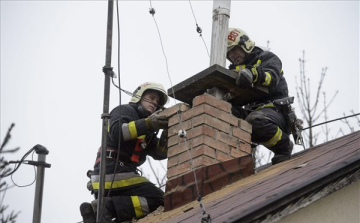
(213, 101)
(196, 152)
(244, 125)
(173, 110)
(201, 130)
(210, 142)
(174, 130)
(173, 120)
(241, 134)
(230, 140)
(201, 109)
(245, 147)
(177, 149)
(236, 153)
(178, 170)
(211, 121)
(173, 140)
(229, 118)
(172, 161)
(220, 156)
(203, 161)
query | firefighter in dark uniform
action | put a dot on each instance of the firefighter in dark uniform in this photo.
(131, 196)
(257, 67)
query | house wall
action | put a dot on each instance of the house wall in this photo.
(341, 206)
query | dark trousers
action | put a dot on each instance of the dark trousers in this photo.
(269, 128)
(134, 201)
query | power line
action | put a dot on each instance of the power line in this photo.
(349, 116)
(182, 132)
(198, 28)
(152, 12)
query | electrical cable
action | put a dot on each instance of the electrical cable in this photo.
(152, 12)
(349, 116)
(322, 123)
(19, 162)
(198, 28)
(32, 158)
(207, 218)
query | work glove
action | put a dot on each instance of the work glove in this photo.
(245, 78)
(156, 122)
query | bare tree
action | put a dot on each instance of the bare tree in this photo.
(159, 179)
(310, 110)
(351, 128)
(10, 218)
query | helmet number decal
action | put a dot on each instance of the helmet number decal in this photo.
(233, 34)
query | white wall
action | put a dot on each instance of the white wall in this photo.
(342, 206)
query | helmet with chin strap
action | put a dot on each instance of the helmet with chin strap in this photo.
(138, 93)
(238, 37)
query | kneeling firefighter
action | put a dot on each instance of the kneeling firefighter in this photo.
(271, 116)
(134, 126)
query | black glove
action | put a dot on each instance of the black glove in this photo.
(245, 78)
(156, 122)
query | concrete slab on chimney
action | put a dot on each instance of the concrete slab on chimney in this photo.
(215, 76)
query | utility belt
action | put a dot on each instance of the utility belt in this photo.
(283, 105)
(111, 154)
(258, 106)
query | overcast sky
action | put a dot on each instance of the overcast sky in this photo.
(52, 85)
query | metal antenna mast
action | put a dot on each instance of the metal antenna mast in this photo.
(107, 69)
(220, 25)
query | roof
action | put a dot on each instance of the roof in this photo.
(280, 189)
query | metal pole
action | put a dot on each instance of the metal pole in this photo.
(220, 25)
(107, 69)
(41, 164)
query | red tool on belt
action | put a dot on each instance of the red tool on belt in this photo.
(140, 145)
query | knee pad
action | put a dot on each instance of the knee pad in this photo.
(257, 119)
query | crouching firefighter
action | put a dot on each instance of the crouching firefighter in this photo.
(271, 116)
(137, 123)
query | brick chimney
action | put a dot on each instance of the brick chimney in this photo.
(219, 145)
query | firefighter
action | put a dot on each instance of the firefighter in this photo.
(137, 124)
(258, 67)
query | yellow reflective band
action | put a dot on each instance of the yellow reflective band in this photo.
(121, 183)
(269, 105)
(142, 137)
(132, 130)
(267, 79)
(137, 206)
(258, 63)
(255, 73)
(274, 140)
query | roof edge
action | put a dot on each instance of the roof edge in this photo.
(288, 197)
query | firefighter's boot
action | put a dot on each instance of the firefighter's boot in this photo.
(87, 213)
(282, 154)
(108, 211)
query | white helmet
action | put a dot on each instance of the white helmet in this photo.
(150, 86)
(238, 37)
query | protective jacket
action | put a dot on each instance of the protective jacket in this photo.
(269, 125)
(267, 70)
(132, 195)
(133, 128)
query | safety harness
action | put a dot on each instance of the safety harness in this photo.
(283, 105)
